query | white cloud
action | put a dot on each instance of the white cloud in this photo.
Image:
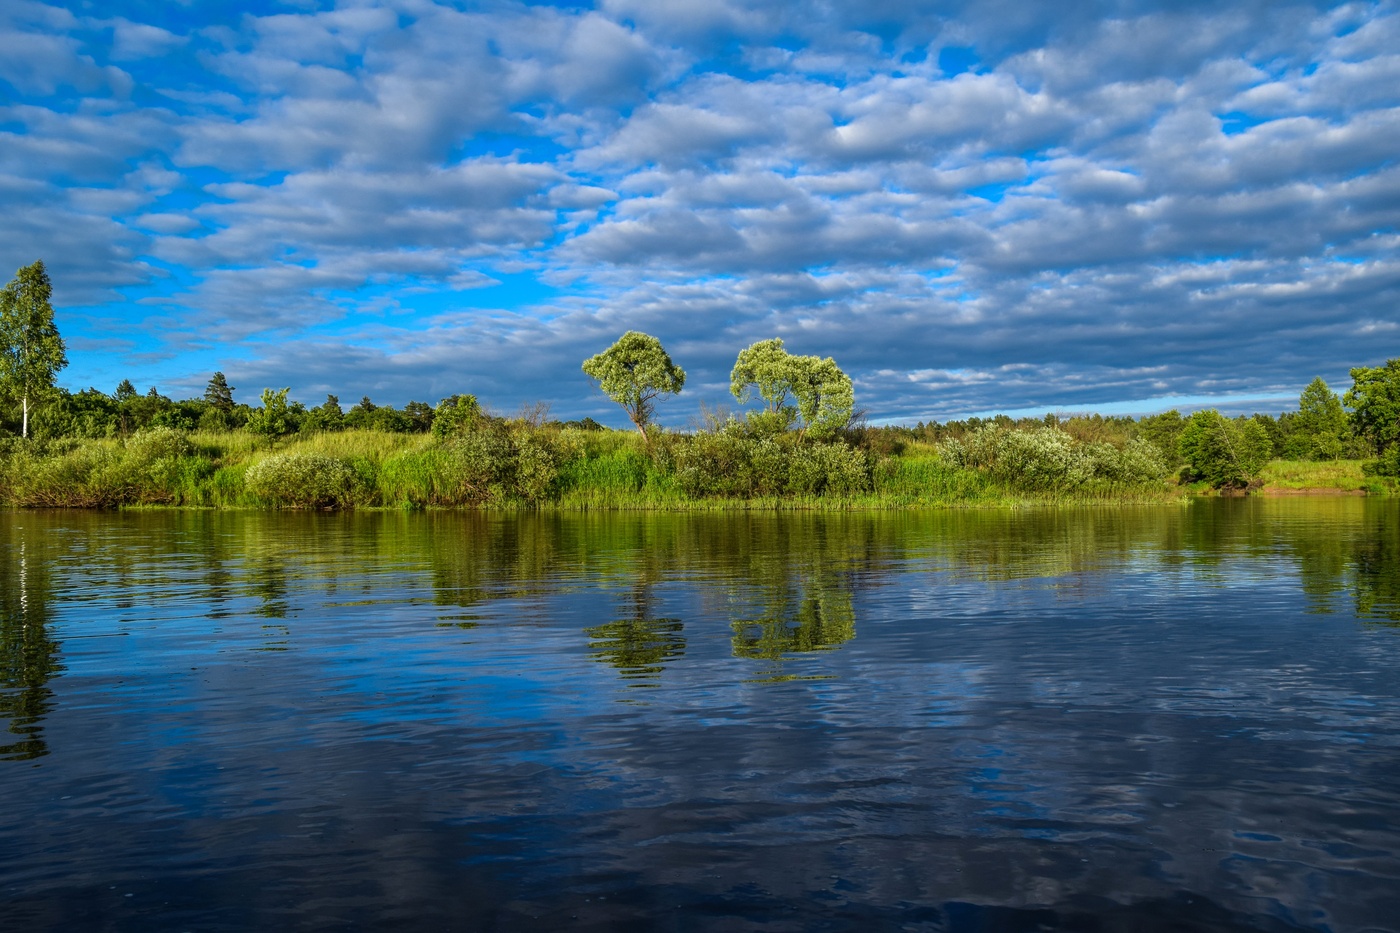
(1121, 201)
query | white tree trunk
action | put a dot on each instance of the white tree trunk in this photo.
(24, 429)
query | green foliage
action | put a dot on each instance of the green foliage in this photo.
(324, 417)
(419, 416)
(367, 416)
(31, 350)
(1047, 459)
(1387, 464)
(218, 393)
(87, 414)
(305, 481)
(275, 419)
(1225, 453)
(1374, 398)
(456, 415)
(738, 464)
(1164, 432)
(1321, 422)
(824, 395)
(633, 372)
(154, 467)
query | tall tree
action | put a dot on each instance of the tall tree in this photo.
(31, 351)
(633, 372)
(219, 393)
(1322, 419)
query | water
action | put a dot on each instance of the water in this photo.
(1181, 718)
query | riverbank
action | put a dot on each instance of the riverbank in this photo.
(512, 466)
(523, 466)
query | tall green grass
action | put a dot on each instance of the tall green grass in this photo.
(514, 465)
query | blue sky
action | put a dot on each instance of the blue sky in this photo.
(972, 207)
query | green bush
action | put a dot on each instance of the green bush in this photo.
(501, 461)
(1388, 464)
(305, 481)
(1047, 459)
(734, 463)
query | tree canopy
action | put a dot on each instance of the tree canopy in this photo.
(633, 372)
(1322, 421)
(218, 393)
(1224, 451)
(1374, 398)
(824, 394)
(31, 350)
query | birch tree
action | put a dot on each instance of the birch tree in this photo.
(31, 351)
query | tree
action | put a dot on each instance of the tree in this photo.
(419, 415)
(1222, 451)
(275, 419)
(1374, 398)
(633, 372)
(1164, 431)
(325, 417)
(824, 394)
(1321, 420)
(219, 394)
(31, 351)
(125, 391)
(456, 414)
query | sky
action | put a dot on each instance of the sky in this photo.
(972, 207)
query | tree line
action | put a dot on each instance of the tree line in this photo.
(807, 396)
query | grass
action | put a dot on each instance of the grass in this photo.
(603, 471)
(1341, 475)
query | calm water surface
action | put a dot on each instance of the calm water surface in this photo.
(1181, 718)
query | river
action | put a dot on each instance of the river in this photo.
(1178, 717)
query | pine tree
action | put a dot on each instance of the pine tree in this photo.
(219, 394)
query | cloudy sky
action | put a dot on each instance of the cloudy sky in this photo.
(991, 206)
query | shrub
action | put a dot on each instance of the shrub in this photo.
(496, 461)
(1388, 464)
(712, 465)
(308, 481)
(158, 443)
(1047, 458)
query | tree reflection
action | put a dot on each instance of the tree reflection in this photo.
(810, 613)
(1376, 565)
(798, 597)
(28, 656)
(638, 645)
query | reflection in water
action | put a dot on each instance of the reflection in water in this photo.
(1101, 719)
(639, 645)
(797, 613)
(28, 655)
(1376, 559)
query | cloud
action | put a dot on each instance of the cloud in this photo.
(1090, 204)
